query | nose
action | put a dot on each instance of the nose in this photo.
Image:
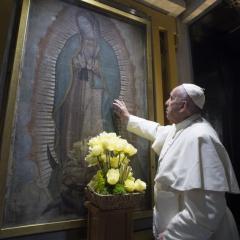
(166, 103)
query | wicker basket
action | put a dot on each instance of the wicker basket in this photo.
(108, 202)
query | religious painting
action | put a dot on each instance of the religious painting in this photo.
(75, 61)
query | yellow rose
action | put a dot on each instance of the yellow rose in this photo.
(129, 185)
(109, 145)
(113, 135)
(120, 145)
(126, 161)
(113, 176)
(93, 141)
(108, 135)
(130, 150)
(130, 176)
(140, 185)
(96, 150)
(105, 143)
(106, 140)
(114, 162)
(103, 157)
(91, 160)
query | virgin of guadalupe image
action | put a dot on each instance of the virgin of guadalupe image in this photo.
(87, 82)
(81, 62)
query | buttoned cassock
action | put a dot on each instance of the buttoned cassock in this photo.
(194, 172)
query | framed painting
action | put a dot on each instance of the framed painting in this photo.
(72, 59)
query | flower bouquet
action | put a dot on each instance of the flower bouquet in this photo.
(111, 154)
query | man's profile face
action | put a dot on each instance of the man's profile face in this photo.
(174, 104)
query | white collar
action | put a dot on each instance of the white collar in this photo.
(185, 123)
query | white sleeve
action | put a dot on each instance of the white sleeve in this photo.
(202, 213)
(144, 128)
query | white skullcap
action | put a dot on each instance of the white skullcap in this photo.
(196, 93)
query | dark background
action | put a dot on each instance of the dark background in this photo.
(215, 46)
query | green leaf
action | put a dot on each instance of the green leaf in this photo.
(119, 189)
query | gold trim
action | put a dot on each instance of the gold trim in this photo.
(159, 95)
(11, 104)
(44, 227)
(110, 9)
(150, 98)
(64, 225)
(172, 64)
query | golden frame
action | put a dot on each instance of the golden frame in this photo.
(11, 105)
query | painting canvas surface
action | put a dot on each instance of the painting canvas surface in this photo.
(75, 63)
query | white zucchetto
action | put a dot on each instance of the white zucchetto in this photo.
(196, 93)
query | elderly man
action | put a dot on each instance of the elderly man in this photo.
(194, 170)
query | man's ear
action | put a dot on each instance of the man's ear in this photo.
(184, 107)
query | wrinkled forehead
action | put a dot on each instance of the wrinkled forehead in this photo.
(177, 92)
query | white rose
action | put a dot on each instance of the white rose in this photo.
(97, 150)
(130, 149)
(114, 162)
(140, 185)
(113, 176)
(91, 160)
(129, 185)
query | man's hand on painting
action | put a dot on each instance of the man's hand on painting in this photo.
(160, 236)
(120, 109)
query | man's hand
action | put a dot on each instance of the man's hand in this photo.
(121, 110)
(160, 236)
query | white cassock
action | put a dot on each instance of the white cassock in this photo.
(194, 172)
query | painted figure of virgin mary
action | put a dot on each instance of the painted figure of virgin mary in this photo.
(86, 83)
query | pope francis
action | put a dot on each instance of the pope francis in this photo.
(194, 170)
